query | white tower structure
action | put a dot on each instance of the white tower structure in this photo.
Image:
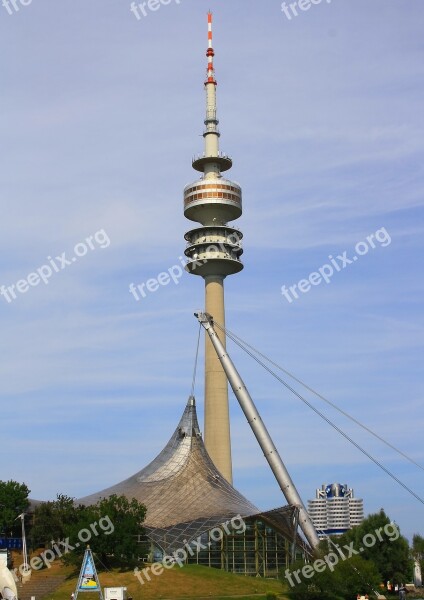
(213, 252)
(335, 509)
(418, 578)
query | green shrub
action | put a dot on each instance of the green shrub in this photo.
(344, 580)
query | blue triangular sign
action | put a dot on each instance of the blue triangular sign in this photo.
(88, 580)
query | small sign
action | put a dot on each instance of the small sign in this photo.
(88, 575)
(88, 580)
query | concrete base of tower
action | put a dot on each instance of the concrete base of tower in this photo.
(217, 418)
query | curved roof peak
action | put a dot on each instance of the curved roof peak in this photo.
(181, 484)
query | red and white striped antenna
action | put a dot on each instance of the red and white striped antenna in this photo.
(210, 52)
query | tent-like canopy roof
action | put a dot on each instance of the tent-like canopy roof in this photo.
(183, 491)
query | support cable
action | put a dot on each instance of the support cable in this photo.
(320, 414)
(193, 383)
(321, 397)
(102, 563)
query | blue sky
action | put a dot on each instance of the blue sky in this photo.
(101, 115)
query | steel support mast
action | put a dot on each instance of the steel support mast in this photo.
(261, 433)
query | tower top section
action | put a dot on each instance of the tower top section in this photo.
(210, 53)
(212, 162)
(214, 249)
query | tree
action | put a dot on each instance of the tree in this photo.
(382, 544)
(418, 550)
(52, 520)
(111, 528)
(356, 562)
(115, 524)
(13, 502)
(343, 580)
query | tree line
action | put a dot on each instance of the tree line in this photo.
(358, 562)
(112, 527)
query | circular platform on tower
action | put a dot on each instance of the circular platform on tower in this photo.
(223, 161)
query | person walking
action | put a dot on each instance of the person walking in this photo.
(402, 592)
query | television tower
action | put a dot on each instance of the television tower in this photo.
(213, 252)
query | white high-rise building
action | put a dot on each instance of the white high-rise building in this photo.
(335, 510)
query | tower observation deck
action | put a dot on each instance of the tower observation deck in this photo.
(213, 252)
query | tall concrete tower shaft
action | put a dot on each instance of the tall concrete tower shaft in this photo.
(213, 252)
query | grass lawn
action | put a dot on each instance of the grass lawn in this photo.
(191, 581)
